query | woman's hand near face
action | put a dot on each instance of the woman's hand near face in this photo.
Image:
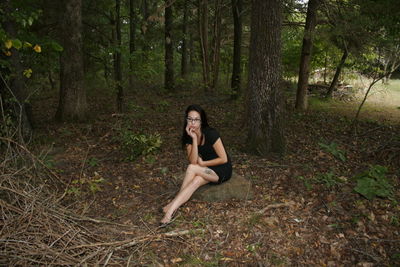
(191, 132)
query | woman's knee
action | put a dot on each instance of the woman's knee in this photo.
(191, 167)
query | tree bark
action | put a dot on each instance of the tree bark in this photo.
(185, 26)
(117, 62)
(169, 49)
(266, 132)
(204, 46)
(144, 27)
(72, 103)
(237, 45)
(216, 45)
(192, 61)
(132, 37)
(304, 72)
(337, 73)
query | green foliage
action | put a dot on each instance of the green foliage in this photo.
(93, 184)
(253, 247)
(146, 64)
(374, 183)
(164, 170)
(6, 126)
(150, 159)
(329, 179)
(334, 150)
(136, 108)
(395, 221)
(307, 183)
(93, 162)
(138, 144)
(292, 39)
(163, 106)
(48, 161)
(255, 219)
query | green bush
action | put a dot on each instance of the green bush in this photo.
(329, 179)
(6, 127)
(136, 145)
(373, 183)
(334, 150)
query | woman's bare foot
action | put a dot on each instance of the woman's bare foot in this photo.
(166, 219)
(166, 208)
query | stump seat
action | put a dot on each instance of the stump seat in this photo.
(237, 187)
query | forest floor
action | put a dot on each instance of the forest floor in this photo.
(322, 221)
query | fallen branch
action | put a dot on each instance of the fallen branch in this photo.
(375, 258)
(135, 241)
(276, 206)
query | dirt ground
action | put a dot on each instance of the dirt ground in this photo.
(320, 221)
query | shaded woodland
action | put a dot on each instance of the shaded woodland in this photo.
(92, 97)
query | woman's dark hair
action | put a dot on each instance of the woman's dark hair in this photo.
(204, 123)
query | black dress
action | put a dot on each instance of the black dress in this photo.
(207, 152)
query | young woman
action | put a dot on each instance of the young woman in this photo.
(208, 160)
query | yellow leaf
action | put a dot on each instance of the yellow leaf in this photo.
(8, 44)
(176, 260)
(27, 44)
(27, 73)
(8, 53)
(37, 48)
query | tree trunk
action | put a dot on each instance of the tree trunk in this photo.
(169, 48)
(203, 33)
(266, 133)
(185, 26)
(304, 72)
(144, 27)
(216, 45)
(325, 66)
(393, 67)
(117, 62)
(237, 45)
(337, 74)
(374, 81)
(132, 37)
(72, 103)
(192, 57)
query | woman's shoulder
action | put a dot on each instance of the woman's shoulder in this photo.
(211, 134)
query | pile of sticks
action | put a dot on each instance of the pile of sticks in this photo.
(36, 229)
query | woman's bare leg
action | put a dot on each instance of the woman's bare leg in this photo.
(182, 197)
(202, 176)
(191, 171)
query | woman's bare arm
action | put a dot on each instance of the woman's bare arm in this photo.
(192, 152)
(222, 156)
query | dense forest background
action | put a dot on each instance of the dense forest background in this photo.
(92, 95)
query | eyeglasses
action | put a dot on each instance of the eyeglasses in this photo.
(193, 120)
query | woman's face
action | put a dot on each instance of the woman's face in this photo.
(194, 120)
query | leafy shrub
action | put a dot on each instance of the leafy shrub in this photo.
(92, 183)
(329, 179)
(136, 145)
(6, 126)
(163, 106)
(373, 183)
(307, 182)
(334, 150)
